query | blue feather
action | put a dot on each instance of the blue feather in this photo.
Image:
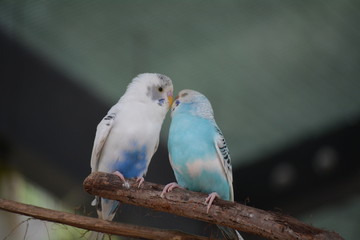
(191, 138)
(198, 153)
(133, 164)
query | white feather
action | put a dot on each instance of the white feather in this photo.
(133, 123)
(134, 117)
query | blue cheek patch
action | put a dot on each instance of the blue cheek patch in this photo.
(161, 101)
(134, 163)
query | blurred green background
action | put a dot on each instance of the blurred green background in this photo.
(282, 76)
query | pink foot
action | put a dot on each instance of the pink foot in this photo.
(209, 200)
(140, 180)
(119, 174)
(169, 187)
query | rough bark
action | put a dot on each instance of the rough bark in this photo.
(189, 204)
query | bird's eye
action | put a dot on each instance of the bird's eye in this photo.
(160, 89)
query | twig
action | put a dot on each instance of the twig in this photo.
(185, 203)
(94, 224)
(16, 227)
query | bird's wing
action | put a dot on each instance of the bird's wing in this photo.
(102, 131)
(224, 157)
(157, 145)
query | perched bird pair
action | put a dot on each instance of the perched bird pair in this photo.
(128, 136)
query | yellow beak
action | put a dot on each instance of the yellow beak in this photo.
(170, 98)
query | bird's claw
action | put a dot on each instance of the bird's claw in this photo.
(140, 180)
(210, 199)
(169, 187)
(119, 174)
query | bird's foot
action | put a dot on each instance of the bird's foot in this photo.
(119, 174)
(169, 187)
(209, 200)
(140, 180)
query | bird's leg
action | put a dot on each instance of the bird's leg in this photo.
(140, 180)
(169, 187)
(209, 200)
(119, 174)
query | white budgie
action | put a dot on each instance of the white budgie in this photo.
(128, 136)
(198, 152)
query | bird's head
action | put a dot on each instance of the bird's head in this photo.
(152, 88)
(192, 102)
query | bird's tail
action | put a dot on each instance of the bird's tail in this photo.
(106, 210)
(229, 233)
(96, 236)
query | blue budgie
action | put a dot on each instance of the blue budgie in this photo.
(128, 136)
(198, 153)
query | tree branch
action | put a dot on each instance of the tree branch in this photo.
(95, 224)
(189, 204)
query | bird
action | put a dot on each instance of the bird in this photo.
(128, 136)
(198, 152)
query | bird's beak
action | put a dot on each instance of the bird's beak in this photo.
(170, 98)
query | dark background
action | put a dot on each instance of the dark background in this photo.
(283, 79)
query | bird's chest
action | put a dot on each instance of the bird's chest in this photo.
(129, 148)
(190, 139)
(193, 153)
